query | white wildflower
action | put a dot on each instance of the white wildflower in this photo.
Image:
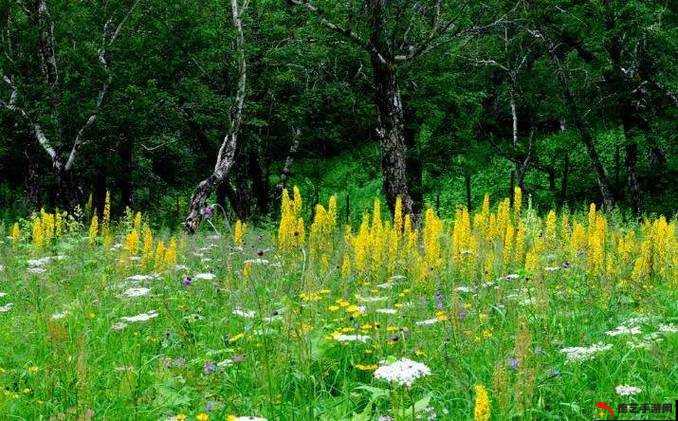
(248, 314)
(427, 322)
(136, 292)
(626, 390)
(350, 338)
(404, 372)
(257, 261)
(7, 307)
(552, 268)
(370, 299)
(386, 310)
(623, 330)
(36, 270)
(248, 418)
(59, 315)
(385, 285)
(206, 276)
(464, 288)
(3, 294)
(579, 353)
(670, 328)
(140, 278)
(225, 363)
(510, 277)
(119, 326)
(143, 317)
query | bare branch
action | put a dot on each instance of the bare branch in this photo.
(108, 40)
(352, 36)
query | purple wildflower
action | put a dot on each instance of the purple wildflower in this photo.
(209, 368)
(187, 281)
(513, 363)
(207, 212)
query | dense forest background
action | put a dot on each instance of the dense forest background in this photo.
(573, 101)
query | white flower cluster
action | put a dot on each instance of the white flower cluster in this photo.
(404, 372)
(427, 322)
(351, 338)
(206, 276)
(670, 328)
(623, 330)
(626, 390)
(136, 292)
(143, 317)
(247, 314)
(580, 353)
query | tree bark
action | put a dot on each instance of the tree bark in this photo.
(226, 155)
(391, 132)
(631, 150)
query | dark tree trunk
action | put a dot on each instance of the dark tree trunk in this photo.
(222, 194)
(469, 199)
(394, 154)
(125, 153)
(563, 183)
(259, 182)
(512, 186)
(100, 191)
(414, 164)
(32, 183)
(198, 200)
(634, 188)
(587, 139)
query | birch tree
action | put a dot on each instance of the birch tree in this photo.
(34, 88)
(226, 154)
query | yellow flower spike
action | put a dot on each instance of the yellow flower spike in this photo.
(366, 367)
(93, 230)
(517, 202)
(202, 417)
(481, 410)
(247, 269)
(15, 233)
(239, 231)
(236, 337)
(106, 216)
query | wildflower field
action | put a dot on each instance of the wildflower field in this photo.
(495, 314)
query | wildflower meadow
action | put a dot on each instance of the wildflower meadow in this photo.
(498, 313)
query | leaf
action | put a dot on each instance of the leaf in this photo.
(419, 406)
(375, 392)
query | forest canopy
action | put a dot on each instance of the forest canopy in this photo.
(434, 101)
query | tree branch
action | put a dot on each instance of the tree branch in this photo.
(349, 34)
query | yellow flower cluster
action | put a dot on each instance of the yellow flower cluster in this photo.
(322, 229)
(487, 243)
(481, 411)
(239, 231)
(291, 231)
